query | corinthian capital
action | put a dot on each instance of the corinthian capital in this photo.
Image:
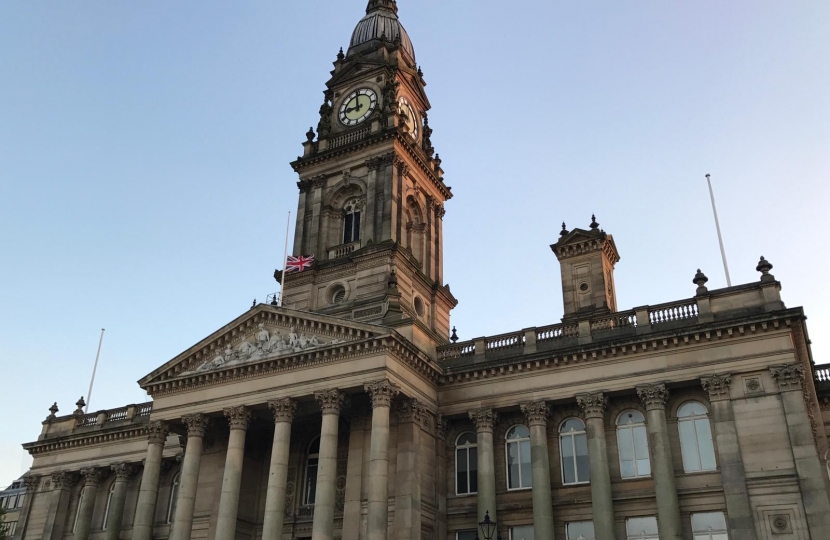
(484, 420)
(442, 426)
(717, 386)
(157, 432)
(537, 413)
(593, 405)
(788, 376)
(653, 396)
(238, 417)
(92, 476)
(31, 483)
(283, 409)
(64, 479)
(411, 410)
(123, 471)
(196, 424)
(331, 401)
(382, 392)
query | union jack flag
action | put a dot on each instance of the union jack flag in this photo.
(298, 264)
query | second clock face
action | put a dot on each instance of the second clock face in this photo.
(411, 119)
(357, 106)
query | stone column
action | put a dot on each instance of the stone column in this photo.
(441, 428)
(373, 165)
(62, 483)
(360, 425)
(654, 397)
(145, 511)
(189, 477)
(115, 518)
(238, 418)
(92, 477)
(331, 402)
(537, 414)
(738, 510)
(485, 420)
(602, 504)
(31, 483)
(408, 475)
(284, 410)
(790, 379)
(382, 392)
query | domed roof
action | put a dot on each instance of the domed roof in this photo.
(381, 20)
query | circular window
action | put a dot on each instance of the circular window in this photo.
(583, 287)
(419, 306)
(337, 294)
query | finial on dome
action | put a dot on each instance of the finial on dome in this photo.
(564, 229)
(594, 224)
(376, 5)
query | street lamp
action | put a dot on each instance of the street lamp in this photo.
(488, 528)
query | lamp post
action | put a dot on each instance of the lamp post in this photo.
(488, 528)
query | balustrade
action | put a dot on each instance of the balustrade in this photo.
(677, 311)
(350, 137)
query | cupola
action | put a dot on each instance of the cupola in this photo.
(381, 22)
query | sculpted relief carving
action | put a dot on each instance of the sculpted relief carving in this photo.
(265, 344)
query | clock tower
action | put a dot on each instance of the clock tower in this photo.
(371, 192)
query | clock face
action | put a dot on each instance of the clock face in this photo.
(411, 119)
(357, 106)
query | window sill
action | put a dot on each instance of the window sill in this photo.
(707, 471)
(577, 484)
(464, 495)
(520, 489)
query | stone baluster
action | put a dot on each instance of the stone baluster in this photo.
(238, 419)
(115, 517)
(197, 425)
(382, 392)
(602, 504)
(738, 509)
(485, 420)
(145, 512)
(56, 518)
(537, 414)
(411, 415)
(331, 402)
(92, 478)
(284, 410)
(654, 397)
(790, 379)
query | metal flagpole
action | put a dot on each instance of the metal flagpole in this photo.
(717, 226)
(94, 369)
(285, 259)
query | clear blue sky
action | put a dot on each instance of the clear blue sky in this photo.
(144, 149)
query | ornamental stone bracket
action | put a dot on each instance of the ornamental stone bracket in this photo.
(653, 396)
(484, 420)
(537, 413)
(788, 376)
(593, 405)
(717, 386)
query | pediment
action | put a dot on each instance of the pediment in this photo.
(262, 334)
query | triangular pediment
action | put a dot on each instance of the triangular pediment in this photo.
(262, 334)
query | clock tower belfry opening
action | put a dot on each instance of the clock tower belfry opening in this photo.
(371, 191)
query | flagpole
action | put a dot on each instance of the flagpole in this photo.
(94, 369)
(285, 259)
(720, 236)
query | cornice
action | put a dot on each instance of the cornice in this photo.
(61, 444)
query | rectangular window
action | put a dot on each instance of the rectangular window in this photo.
(466, 535)
(20, 499)
(642, 528)
(525, 532)
(356, 229)
(580, 530)
(709, 526)
(347, 229)
(8, 527)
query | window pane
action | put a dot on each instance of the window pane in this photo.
(688, 446)
(311, 482)
(722, 536)
(347, 228)
(466, 438)
(522, 533)
(461, 471)
(465, 535)
(527, 474)
(705, 444)
(582, 464)
(568, 465)
(573, 424)
(583, 530)
(473, 470)
(692, 408)
(710, 521)
(626, 449)
(512, 465)
(518, 432)
(639, 527)
(641, 451)
(356, 235)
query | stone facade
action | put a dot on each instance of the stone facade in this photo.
(347, 414)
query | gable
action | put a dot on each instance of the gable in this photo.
(263, 333)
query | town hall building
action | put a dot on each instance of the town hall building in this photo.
(352, 411)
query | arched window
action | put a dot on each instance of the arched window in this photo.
(174, 498)
(351, 223)
(518, 458)
(573, 443)
(696, 438)
(633, 445)
(78, 509)
(466, 464)
(310, 490)
(108, 505)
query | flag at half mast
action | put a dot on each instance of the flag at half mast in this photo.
(298, 264)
